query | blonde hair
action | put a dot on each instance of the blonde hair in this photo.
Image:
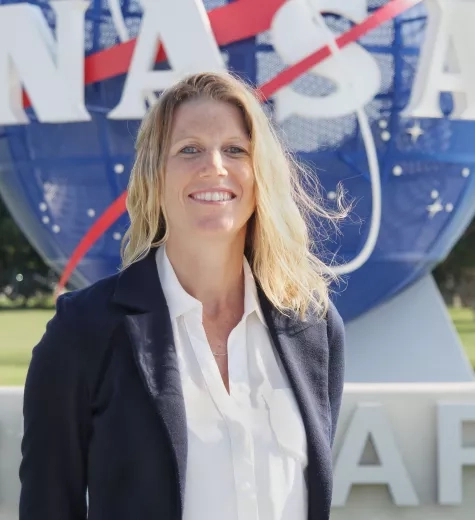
(278, 245)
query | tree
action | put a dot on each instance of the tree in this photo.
(455, 275)
(461, 257)
(17, 257)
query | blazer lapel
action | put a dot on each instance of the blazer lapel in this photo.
(303, 349)
(301, 345)
(150, 330)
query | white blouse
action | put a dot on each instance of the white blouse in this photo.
(247, 450)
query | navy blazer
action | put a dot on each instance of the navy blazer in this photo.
(104, 410)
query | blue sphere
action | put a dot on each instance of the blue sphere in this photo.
(57, 179)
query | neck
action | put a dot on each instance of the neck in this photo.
(210, 272)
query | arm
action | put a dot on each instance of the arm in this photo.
(56, 424)
(336, 345)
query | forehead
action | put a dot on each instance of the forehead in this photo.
(207, 116)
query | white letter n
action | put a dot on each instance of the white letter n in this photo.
(52, 74)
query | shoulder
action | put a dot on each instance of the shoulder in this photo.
(89, 305)
(84, 317)
(335, 325)
(336, 339)
(336, 364)
(77, 336)
(329, 321)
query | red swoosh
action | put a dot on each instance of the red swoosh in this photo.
(230, 23)
(117, 208)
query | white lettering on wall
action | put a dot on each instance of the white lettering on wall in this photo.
(183, 28)
(296, 33)
(447, 61)
(452, 456)
(369, 422)
(52, 73)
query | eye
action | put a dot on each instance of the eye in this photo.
(234, 150)
(189, 150)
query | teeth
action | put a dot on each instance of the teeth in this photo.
(215, 196)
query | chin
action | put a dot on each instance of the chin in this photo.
(215, 231)
(218, 229)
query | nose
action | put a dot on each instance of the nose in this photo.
(214, 165)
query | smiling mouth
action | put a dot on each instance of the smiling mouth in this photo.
(213, 196)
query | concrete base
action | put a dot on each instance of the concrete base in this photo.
(402, 452)
(405, 452)
(411, 338)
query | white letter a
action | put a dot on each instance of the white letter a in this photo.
(184, 29)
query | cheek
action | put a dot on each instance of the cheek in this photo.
(168, 189)
(175, 183)
(246, 177)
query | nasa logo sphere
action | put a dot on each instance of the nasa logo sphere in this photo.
(386, 106)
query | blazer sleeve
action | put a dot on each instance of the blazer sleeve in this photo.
(56, 423)
(336, 344)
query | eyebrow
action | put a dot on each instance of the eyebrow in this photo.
(244, 140)
(184, 137)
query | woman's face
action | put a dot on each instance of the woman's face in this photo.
(209, 179)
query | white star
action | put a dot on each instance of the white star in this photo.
(434, 208)
(415, 131)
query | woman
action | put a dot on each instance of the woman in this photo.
(204, 380)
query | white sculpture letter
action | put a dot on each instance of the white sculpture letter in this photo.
(183, 28)
(297, 31)
(52, 73)
(370, 422)
(446, 63)
(451, 455)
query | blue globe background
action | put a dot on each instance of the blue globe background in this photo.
(56, 179)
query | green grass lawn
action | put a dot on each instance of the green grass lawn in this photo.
(20, 330)
(464, 321)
